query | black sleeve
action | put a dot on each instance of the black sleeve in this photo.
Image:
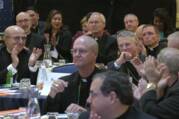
(167, 108)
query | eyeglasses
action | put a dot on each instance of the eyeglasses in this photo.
(94, 94)
(23, 20)
(18, 38)
(80, 51)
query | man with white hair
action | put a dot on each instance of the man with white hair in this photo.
(107, 44)
(173, 40)
(162, 96)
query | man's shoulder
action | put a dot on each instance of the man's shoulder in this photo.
(138, 114)
(36, 36)
(2, 47)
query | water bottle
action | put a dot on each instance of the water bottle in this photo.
(47, 57)
(9, 78)
(33, 109)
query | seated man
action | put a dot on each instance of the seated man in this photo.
(131, 22)
(33, 40)
(37, 27)
(162, 97)
(70, 93)
(15, 58)
(107, 44)
(151, 38)
(173, 40)
(129, 60)
(111, 98)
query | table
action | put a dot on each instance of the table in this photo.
(13, 99)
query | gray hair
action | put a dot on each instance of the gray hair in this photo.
(127, 34)
(131, 14)
(170, 57)
(174, 38)
(100, 15)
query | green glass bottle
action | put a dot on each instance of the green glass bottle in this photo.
(9, 78)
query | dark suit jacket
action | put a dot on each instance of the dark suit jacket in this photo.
(39, 29)
(165, 108)
(127, 68)
(64, 42)
(107, 49)
(22, 68)
(132, 113)
(155, 51)
(35, 41)
(71, 94)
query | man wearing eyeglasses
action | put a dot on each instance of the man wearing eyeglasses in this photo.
(70, 93)
(111, 97)
(15, 58)
(151, 38)
(33, 40)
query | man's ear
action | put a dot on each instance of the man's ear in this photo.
(113, 97)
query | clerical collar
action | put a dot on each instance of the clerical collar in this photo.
(84, 80)
(9, 51)
(152, 48)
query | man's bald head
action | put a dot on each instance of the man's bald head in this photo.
(14, 36)
(89, 42)
(24, 21)
(11, 29)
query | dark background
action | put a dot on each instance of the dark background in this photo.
(74, 10)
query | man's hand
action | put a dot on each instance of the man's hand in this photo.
(57, 86)
(14, 54)
(141, 88)
(36, 53)
(163, 83)
(75, 108)
(125, 56)
(138, 64)
(151, 70)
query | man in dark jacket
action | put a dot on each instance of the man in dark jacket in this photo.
(70, 93)
(111, 97)
(15, 58)
(162, 97)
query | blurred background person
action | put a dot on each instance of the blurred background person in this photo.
(162, 21)
(107, 43)
(131, 22)
(37, 26)
(84, 27)
(138, 33)
(173, 40)
(33, 40)
(58, 36)
(151, 40)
